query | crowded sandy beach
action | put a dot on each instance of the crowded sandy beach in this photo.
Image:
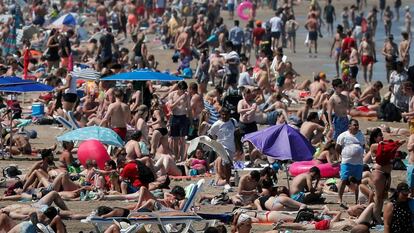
(206, 116)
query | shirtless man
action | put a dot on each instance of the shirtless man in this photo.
(368, 57)
(311, 129)
(353, 64)
(390, 51)
(183, 42)
(197, 106)
(180, 104)
(312, 27)
(247, 191)
(216, 63)
(371, 94)
(318, 86)
(339, 36)
(20, 145)
(247, 109)
(410, 167)
(404, 49)
(338, 108)
(101, 15)
(119, 115)
(302, 189)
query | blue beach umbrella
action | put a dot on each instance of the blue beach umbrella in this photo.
(105, 135)
(27, 87)
(143, 75)
(65, 20)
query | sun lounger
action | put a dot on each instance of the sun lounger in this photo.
(164, 219)
(64, 122)
(72, 120)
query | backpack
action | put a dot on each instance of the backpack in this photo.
(11, 172)
(145, 174)
(386, 151)
(304, 215)
(389, 112)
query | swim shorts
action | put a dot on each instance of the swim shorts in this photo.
(354, 170)
(179, 125)
(322, 225)
(340, 125)
(299, 197)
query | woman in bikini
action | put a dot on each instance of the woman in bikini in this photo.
(159, 129)
(328, 154)
(280, 202)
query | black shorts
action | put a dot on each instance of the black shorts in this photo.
(179, 126)
(275, 35)
(246, 128)
(70, 97)
(163, 131)
(313, 35)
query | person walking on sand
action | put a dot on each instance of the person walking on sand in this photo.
(338, 108)
(368, 56)
(404, 49)
(350, 144)
(390, 52)
(312, 27)
(118, 114)
(407, 21)
(337, 44)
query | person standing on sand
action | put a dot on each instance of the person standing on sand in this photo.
(338, 108)
(404, 49)
(407, 21)
(312, 27)
(350, 144)
(337, 43)
(330, 16)
(119, 115)
(368, 56)
(390, 52)
(180, 104)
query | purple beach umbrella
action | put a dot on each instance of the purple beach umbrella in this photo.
(281, 142)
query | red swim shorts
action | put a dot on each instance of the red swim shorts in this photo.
(322, 225)
(366, 60)
(121, 132)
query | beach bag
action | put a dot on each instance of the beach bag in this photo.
(398, 164)
(389, 112)
(304, 215)
(145, 174)
(11, 172)
(386, 151)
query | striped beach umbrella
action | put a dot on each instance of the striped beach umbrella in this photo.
(87, 74)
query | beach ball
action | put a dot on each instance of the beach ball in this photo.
(93, 150)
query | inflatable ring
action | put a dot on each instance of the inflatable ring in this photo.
(327, 170)
(244, 10)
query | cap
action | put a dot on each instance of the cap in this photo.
(249, 68)
(403, 187)
(322, 75)
(357, 86)
(407, 8)
(258, 22)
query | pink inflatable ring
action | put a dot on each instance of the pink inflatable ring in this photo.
(327, 170)
(244, 10)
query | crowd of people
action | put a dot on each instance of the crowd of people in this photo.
(237, 80)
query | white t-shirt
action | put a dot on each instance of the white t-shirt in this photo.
(276, 24)
(224, 131)
(352, 147)
(245, 79)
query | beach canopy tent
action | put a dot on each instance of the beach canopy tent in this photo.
(282, 142)
(143, 75)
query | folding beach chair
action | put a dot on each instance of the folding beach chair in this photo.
(164, 219)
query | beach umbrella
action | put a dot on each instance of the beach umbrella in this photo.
(26, 88)
(143, 75)
(13, 80)
(281, 142)
(65, 20)
(102, 134)
(213, 145)
(88, 74)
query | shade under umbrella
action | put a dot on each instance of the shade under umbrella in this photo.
(143, 75)
(102, 134)
(212, 144)
(282, 142)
